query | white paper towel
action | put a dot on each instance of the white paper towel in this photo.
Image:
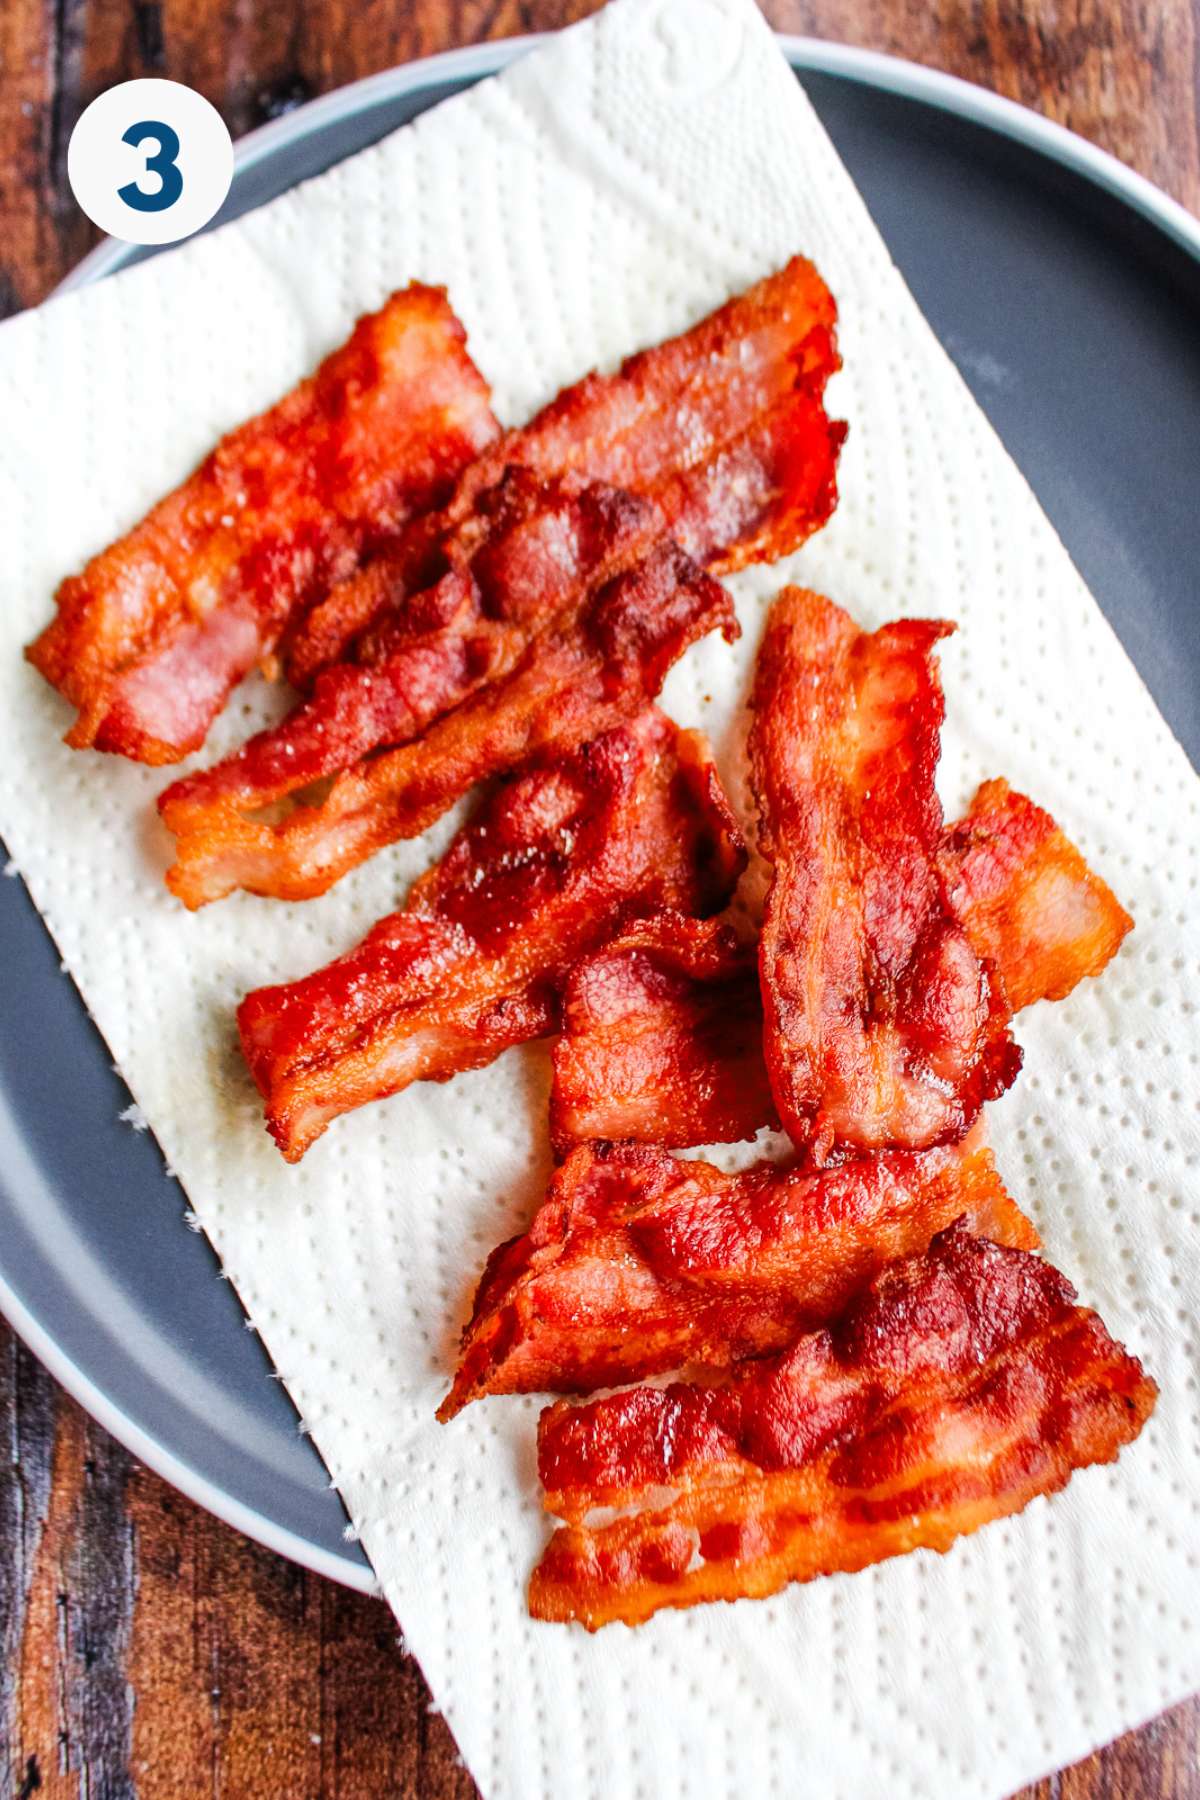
(602, 194)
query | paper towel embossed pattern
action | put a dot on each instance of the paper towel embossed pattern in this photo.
(1078, 1619)
(694, 45)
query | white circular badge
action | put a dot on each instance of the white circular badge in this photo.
(150, 161)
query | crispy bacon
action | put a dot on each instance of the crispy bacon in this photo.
(624, 612)
(662, 1028)
(638, 1262)
(662, 1039)
(960, 1385)
(474, 962)
(1029, 902)
(329, 633)
(531, 550)
(724, 427)
(722, 432)
(151, 637)
(882, 1024)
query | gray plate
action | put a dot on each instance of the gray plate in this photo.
(1069, 293)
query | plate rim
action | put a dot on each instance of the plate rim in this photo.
(869, 68)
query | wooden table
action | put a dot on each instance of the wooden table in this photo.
(144, 1648)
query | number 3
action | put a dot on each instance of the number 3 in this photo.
(162, 164)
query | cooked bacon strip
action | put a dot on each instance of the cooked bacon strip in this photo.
(531, 551)
(722, 432)
(638, 1262)
(626, 616)
(724, 427)
(883, 1025)
(960, 1385)
(1029, 902)
(151, 637)
(662, 1027)
(662, 1039)
(474, 962)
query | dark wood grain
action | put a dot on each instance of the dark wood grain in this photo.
(146, 1649)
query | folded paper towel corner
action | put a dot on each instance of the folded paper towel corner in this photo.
(603, 193)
